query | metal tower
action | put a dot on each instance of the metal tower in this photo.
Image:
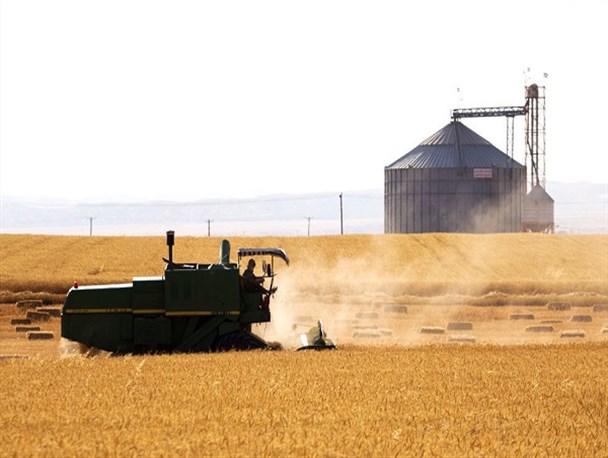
(534, 111)
(535, 135)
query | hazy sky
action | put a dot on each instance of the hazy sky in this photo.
(198, 99)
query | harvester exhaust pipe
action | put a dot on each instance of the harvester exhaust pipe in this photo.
(225, 252)
(170, 242)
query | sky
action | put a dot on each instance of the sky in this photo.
(136, 100)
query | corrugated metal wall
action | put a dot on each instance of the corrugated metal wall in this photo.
(452, 200)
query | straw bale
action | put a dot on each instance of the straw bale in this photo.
(367, 315)
(521, 316)
(27, 328)
(581, 318)
(7, 357)
(37, 316)
(540, 328)
(604, 330)
(52, 311)
(305, 319)
(395, 308)
(572, 333)
(40, 335)
(365, 334)
(551, 321)
(432, 330)
(367, 327)
(15, 321)
(35, 303)
(600, 308)
(559, 305)
(461, 338)
(459, 326)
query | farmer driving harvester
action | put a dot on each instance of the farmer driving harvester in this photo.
(252, 283)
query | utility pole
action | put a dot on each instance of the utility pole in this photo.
(341, 216)
(90, 218)
(209, 221)
(309, 218)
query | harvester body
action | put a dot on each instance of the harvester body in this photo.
(193, 307)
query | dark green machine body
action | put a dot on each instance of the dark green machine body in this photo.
(194, 307)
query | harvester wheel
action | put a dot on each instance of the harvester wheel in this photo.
(239, 340)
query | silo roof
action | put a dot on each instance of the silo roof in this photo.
(442, 150)
(538, 194)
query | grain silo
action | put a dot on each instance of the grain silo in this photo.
(454, 181)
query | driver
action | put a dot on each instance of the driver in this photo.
(253, 284)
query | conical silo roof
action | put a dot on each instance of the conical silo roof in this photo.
(455, 145)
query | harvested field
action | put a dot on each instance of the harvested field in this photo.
(429, 396)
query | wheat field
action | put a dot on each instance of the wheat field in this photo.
(358, 401)
(398, 393)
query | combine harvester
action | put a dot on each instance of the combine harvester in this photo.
(192, 308)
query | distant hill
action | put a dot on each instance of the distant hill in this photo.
(579, 208)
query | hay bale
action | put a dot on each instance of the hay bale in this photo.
(432, 330)
(521, 316)
(395, 308)
(27, 328)
(604, 330)
(572, 333)
(7, 357)
(541, 328)
(29, 304)
(365, 327)
(37, 316)
(461, 338)
(40, 335)
(55, 312)
(305, 319)
(459, 326)
(385, 332)
(559, 306)
(367, 334)
(600, 308)
(345, 322)
(581, 318)
(367, 315)
(15, 321)
(551, 321)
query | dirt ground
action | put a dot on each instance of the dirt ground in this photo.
(379, 323)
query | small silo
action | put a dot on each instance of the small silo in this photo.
(454, 181)
(538, 211)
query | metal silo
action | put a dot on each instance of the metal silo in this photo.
(454, 181)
